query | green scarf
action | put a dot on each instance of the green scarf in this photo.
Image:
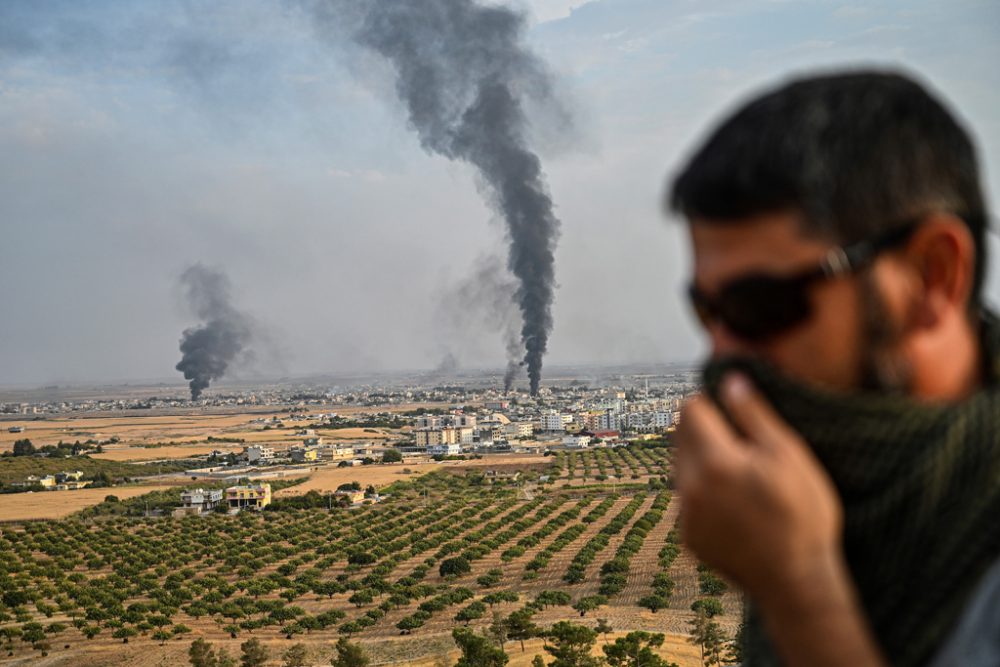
(920, 486)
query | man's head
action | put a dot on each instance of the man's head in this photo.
(841, 161)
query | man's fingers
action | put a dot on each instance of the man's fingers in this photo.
(704, 438)
(752, 413)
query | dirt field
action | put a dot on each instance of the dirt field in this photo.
(175, 428)
(328, 478)
(57, 504)
(126, 453)
(441, 650)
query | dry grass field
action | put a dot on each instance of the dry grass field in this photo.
(328, 478)
(139, 430)
(441, 651)
(59, 504)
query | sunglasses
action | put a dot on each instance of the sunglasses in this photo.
(760, 306)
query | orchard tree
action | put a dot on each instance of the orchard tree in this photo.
(477, 650)
(201, 654)
(454, 566)
(520, 626)
(295, 656)
(349, 655)
(707, 635)
(711, 607)
(636, 650)
(571, 645)
(603, 628)
(589, 603)
(254, 654)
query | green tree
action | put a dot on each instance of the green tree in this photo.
(571, 645)
(474, 611)
(123, 633)
(454, 566)
(711, 584)
(711, 607)
(253, 653)
(201, 654)
(295, 656)
(707, 635)
(734, 653)
(654, 603)
(636, 650)
(498, 629)
(392, 456)
(589, 603)
(23, 447)
(553, 598)
(603, 628)
(537, 661)
(477, 650)
(32, 633)
(361, 598)
(349, 655)
(520, 626)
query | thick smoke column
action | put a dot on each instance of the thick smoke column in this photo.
(486, 299)
(463, 73)
(209, 348)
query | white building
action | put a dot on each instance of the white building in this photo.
(463, 421)
(663, 419)
(554, 422)
(576, 441)
(450, 449)
(200, 500)
(519, 430)
(427, 421)
(609, 421)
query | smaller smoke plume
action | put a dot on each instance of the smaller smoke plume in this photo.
(484, 303)
(209, 349)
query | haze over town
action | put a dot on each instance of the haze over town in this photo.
(137, 141)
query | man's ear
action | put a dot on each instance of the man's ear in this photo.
(941, 255)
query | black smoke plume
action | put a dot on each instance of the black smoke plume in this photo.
(484, 301)
(210, 348)
(464, 74)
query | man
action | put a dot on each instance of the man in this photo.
(843, 466)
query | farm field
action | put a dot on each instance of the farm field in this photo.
(185, 428)
(59, 504)
(449, 548)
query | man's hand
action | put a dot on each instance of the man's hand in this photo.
(759, 508)
(757, 505)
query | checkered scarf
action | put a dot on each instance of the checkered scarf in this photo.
(920, 485)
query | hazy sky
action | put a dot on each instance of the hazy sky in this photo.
(138, 138)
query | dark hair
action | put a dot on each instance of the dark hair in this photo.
(855, 153)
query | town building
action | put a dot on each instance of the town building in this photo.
(251, 496)
(196, 501)
(553, 422)
(339, 451)
(259, 454)
(428, 437)
(356, 497)
(304, 454)
(516, 430)
(576, 442)
(444, 449)
(427, 421)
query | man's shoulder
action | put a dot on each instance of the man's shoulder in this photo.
(975, 642)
